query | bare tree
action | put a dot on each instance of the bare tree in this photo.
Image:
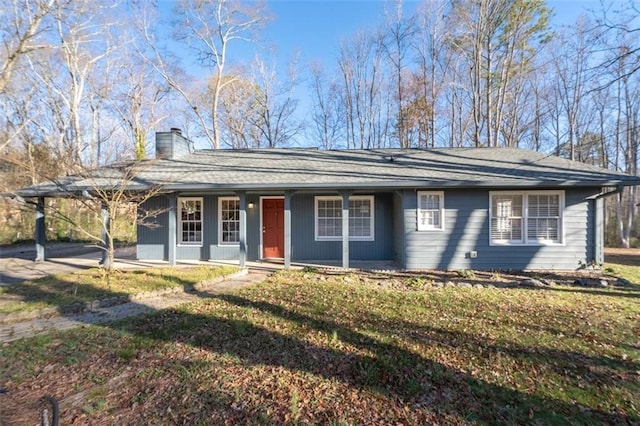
(433, 64)
(328, 110)
(24, 30)
(417, 112)
(63, 111)
(619, 68)
(571, 58)
(209, 27)
(275, 104)
(364, 91)
(627, 143)
(623, 24)
(239, 109)
(397, 40)
(498, 38)
(21, 30)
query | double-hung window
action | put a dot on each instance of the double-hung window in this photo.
(190, 221)
(533, 218)
(430, 210)
(228, 220)
(543, 219)
(328, 220)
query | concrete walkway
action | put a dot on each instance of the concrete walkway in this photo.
(17, 265)
(33, 327)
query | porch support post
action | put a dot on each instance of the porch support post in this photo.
(172, 230)
(598, 229)
(242, 258)
(106, 232)
(40, 231)
(345, 228)
(287, 229)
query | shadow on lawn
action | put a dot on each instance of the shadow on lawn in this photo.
(423, 386)
(69, 295)
(632, 292)
(389, 370)
(575, 366)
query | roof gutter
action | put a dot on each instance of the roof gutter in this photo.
(605, 194)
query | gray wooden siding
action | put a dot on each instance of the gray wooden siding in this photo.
(304, 247)
(467, 229)
(152, 242)
(396, 237)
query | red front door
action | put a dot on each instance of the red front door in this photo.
(273, 227)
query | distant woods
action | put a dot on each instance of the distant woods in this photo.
(85, 83)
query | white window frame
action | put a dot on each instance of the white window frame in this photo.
(419, 211)
(180, 230)
(370, 198)
(526, 241)
(220, 241)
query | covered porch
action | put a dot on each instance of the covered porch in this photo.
(262, 229)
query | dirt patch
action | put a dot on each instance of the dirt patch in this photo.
(622, 256)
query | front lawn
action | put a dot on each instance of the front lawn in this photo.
(306, 348)
(56, 291)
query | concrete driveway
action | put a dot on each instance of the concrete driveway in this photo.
(17, 265)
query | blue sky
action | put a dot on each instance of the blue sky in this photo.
(315, 27)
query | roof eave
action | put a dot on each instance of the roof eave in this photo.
(391, 185)
(397, 185)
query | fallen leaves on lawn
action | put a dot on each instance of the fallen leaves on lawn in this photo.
(299, 350)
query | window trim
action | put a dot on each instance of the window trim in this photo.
(371, 200)
(179, 230)
(525, 216)
(420, 227)
(220, 241)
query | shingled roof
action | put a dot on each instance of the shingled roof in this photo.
(308, 169)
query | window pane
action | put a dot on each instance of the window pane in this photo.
(360, 218)
(544, 217)
(329, 218)
(329, 222)
(432, 202)
(434, 218)
(190, 221)
(506, 217)
(542, 229)
(230, 221)
(430, 211)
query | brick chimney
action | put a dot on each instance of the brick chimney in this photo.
(172, 145)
